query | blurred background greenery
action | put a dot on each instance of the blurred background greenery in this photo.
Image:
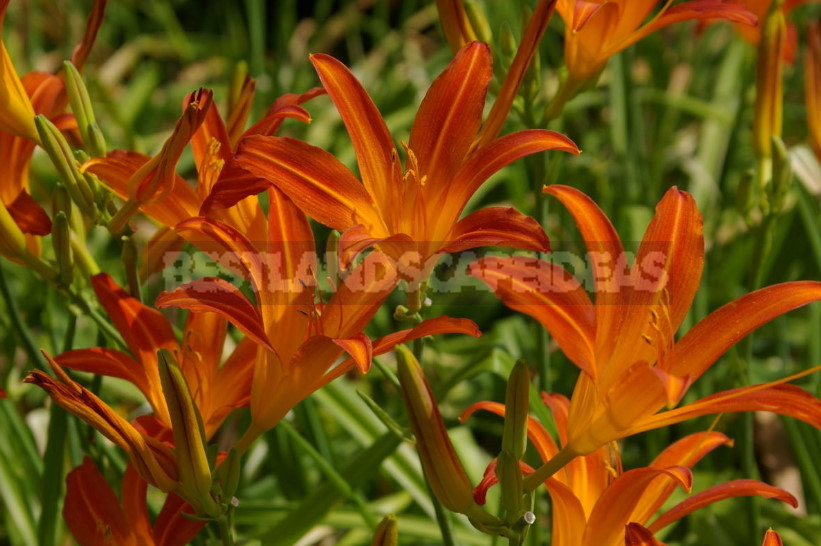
(676, 109)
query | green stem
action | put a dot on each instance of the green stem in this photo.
(20, 326)
(226, 534)
(441, 518)
(552, 466)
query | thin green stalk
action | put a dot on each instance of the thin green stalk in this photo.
(442, 518)
(331, 473)
(552, 466)
(226, 534)
(20, 326)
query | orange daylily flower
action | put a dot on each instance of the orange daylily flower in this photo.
(216, 389)
(22, 99)
(625, 343)
(94, 516)
(213, 143)
(411, 214)
(812, 86)
(153, 460)
(596, 503)
(299, 339)
(597, 30)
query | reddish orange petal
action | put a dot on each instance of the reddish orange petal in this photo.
(429, 327)
(372, 142)
(694, 9)
(160, 251)
(450, 115)
(315, 180)
(569, 520)
(92, 512)
(360, 349)
(536, 27)
(771, 538)
(664, 279)
(133, 491)
(723, 328)
(29, 215)
(497, 226)
(233, 250)
(735, 488)
(118, 166)
(497, 154)
(778, 398)
(606, 255)
(637, 535)
(549, 294)
(108, 362)
(145, 330)
(95, 19)
(621, 499)
(685, 452)
(282, 109)
(216, 295)
(172, 528)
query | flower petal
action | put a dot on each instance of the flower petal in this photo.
(218, 296)
(315, 180)
(638, 535)
(29, 215)
(541, 440)
(620, 500)
(710, 338)
(111, 363)
(450, 116)
(372, 142)
(549, 294)
(172, 527)
(497, 154)
(360, 349)
(145, 330)
(284, 107)
(92, 512)
(735, 488)
(497, 226)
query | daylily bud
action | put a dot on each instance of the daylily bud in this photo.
(61, 200)
(478, 21)
(455, 23)
(228, 474)
(448, 479)
(17, 113)
(62, 157)
(61, 241)
(130, 257)
(12, 240)
(514, 438)
(782, 176)
(387, 532)
(83, 111)
(189, 435)
(771, 538)
(507, 42)
(769, 82)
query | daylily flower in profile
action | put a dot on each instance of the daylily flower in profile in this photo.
(631, 366)
(94, 516)
(213, 144)
(411, 213)
(597, 30)
(594, 502)
(153, 460)
(300, 339)
(23, 98)
(216, 387)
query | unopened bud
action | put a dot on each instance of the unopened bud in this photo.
(769, 82)
(387, 532)
(189, 435)
(130, 257)
(83, 111)
(228, 474)
(517, 405)
(478, 21)
(782, 176)
(61, 241)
